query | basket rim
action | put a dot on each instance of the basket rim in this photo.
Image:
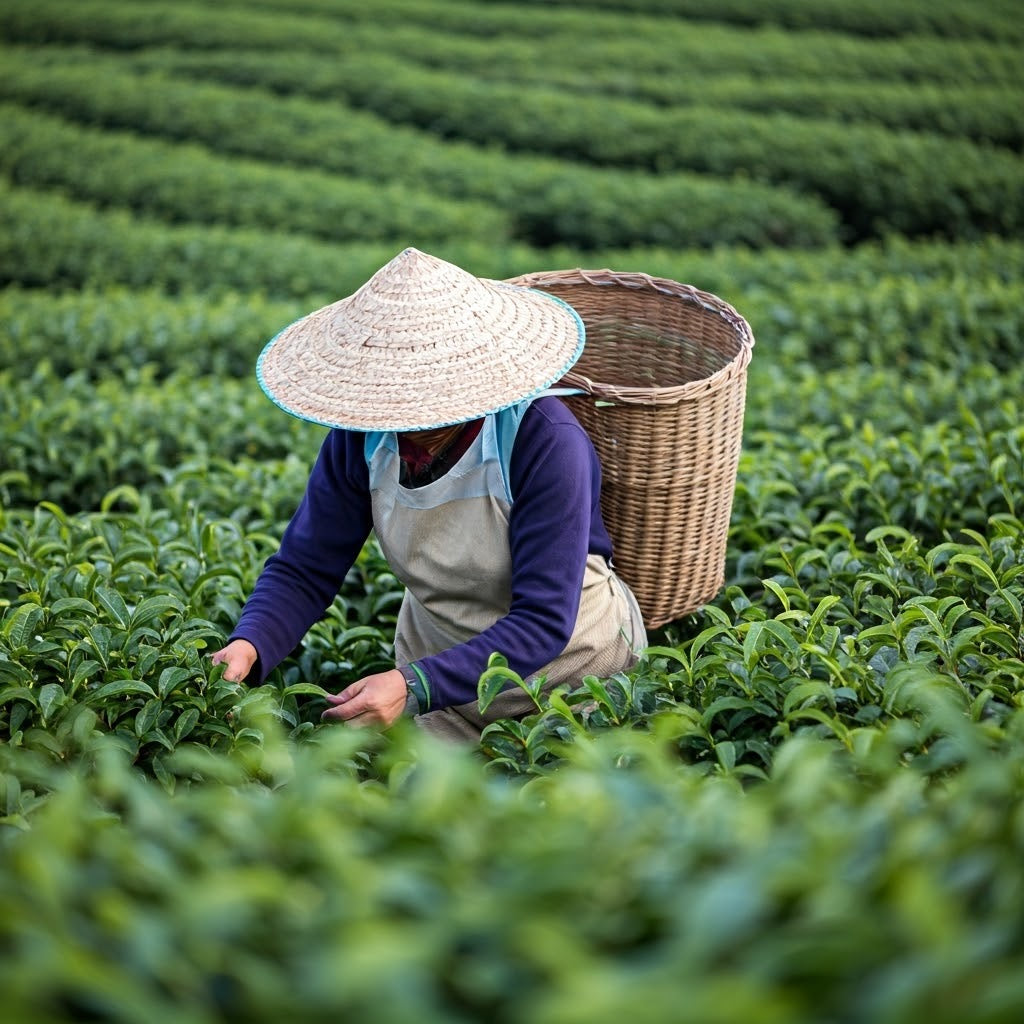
(659, 395)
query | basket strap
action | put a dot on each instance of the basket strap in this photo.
(562, 392)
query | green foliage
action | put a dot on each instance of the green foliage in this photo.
(877, 19)
(439, 894)
(867, 646)
(549, 201)
(924, 307)
(90, 247)
(186, 183)
(112, 332)
(968, 41)
(801, 805)
(72, 440)
(920, 184)
(108, 620)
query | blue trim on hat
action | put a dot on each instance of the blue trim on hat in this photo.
(535, 393)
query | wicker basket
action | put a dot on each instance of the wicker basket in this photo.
(672, 362)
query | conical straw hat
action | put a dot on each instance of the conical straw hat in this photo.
(422, 344)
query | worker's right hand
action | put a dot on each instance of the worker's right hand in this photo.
(238, 657)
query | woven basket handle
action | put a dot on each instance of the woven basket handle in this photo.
(577, 384)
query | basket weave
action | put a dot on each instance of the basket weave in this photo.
(672, 361)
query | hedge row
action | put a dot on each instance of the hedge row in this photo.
(601, 41)
(186, 183)
(898, 307)
(858, 468)
(90, 248)
(941, 186)
(824, 629)
(877, 180)
(456, 33)
(938, 101)
(878, 19)
(982, 113)
(988, 111)
(118, 332)
(71, 440)
(85, 246)
(854, 445)
(823, 609)
(231, 902)
(548, 201)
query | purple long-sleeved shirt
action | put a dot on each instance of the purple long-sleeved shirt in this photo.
(555, 522)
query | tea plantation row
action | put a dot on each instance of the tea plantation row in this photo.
(438, 895)
(904, 39)
(816, 508)
(924, 304)
(548, 200)
(991, 19)
(874, 179)
(912, 178)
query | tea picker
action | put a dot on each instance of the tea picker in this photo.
(483, 491)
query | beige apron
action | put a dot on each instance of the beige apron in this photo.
(448, 543)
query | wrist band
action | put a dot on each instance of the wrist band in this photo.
(416, 684)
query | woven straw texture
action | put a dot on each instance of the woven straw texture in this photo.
(672, 361)
(422, 344)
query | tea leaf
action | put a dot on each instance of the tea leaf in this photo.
(146, 719)
(599, 692)
(725, 751)
(305, 689)
(20, 626)
(495, 678)
(13, 693)
(153, 607)
(975, 563)
(185, 723)
(73, 604)
(114, 605)
(170, 679)
(778, 591)
(50, 696)
(120, 688)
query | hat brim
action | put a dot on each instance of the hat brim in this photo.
(331, 368)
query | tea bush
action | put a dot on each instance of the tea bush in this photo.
(77, 656)
(550, 202)
(186, 183)
(981, 113)
(951, 305)
(71, 440)
(813, 897)
(802, 804)
(185, 257)
(876, 179)
(94, 247)
(980, 47)
(118, 331)
(986, 20)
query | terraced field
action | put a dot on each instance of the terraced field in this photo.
(805, 803)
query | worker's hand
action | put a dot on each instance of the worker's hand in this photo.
(373, 700)
(239, 657)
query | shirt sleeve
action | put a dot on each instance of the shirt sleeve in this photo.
(319, 546)
(555, 478)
